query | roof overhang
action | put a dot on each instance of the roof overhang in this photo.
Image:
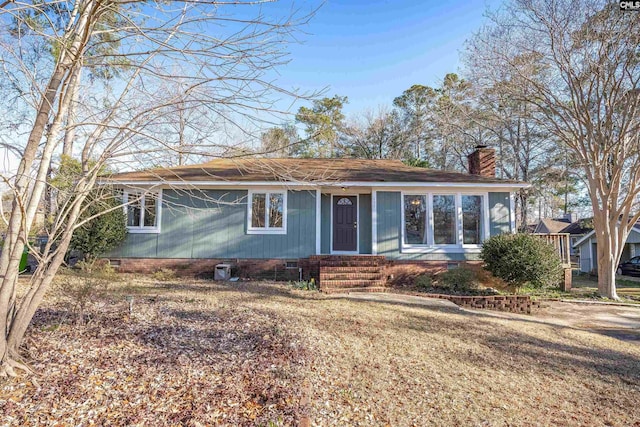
(496, 186)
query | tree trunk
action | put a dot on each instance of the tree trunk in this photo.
(609, 250)
(19, 318)
(70, 131)
(16, 229)
(30, 193)
(607, 266)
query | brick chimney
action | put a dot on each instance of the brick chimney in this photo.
(482, 161)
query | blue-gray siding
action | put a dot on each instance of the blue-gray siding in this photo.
(589, 264)
(389, 223)
(634, 236)
(212, 224)
(364, 225)
(325, 215)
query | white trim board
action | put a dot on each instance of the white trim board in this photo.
(318, 222)
(374, 222)
(512, 213)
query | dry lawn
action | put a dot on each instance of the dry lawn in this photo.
(200, 353)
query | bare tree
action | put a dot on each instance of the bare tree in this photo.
(222, 62)
(580, 62)
(377, 135)
(525, 150)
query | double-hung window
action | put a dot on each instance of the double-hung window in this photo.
(143, 211)
(267, 212)
(433, 220)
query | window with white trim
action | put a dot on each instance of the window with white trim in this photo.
(472, 219)
(267, 212)
(143, 211)
(443, 220)
(415, 219)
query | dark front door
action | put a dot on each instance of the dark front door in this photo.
(345, 226)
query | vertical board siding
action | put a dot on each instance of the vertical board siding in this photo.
(389, 223)
(137, 246)
(213, 223)
(325, 209)
(499, 214)
(364, 227)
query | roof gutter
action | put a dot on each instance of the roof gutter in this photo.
(316, 184)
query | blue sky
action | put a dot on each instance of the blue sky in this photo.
(371, 51)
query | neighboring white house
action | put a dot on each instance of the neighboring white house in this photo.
(587, 248)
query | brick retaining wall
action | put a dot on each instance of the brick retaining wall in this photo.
(509, 303)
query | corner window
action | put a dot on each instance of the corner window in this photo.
(267, 212)
(432, 221)
(143, 212)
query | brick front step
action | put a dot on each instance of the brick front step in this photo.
(358, 263)
(378, 258)
(365, 269)
(350, 272)
(355, 275)
(351, 283)
(348, 290)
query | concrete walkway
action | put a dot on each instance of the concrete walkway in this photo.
(399, 299)
(629, 278)
(620, 322)
(590, 316)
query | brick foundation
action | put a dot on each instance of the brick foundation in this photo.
(398, 272)
(265, 269)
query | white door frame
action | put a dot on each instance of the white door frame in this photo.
(357, 251)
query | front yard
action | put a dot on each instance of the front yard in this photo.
(202, 353)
